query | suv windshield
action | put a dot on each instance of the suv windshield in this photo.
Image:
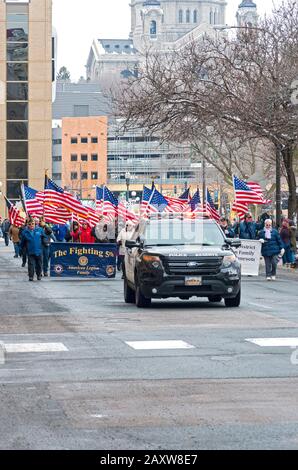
(183, 232)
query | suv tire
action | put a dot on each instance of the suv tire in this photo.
(235, 301)
(141, 300)
(129, 293)
(215, 298)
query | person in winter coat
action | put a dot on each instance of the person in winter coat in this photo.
(14, 235)
(75, 233)
(32, 238)
(5, 230)
(86, 235)
(226, 228)
(272, 249)
(248, 229)
(46, 244)
(124, 235)
(285, 235)
(100, 233)
(61, 233)
(293, 232)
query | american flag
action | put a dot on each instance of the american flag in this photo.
(15, 217)
(257, 189)
(110, 205)
(56, 215)
(147, 194)
(244, 194)
(210, 208)
(241, 209)
(99, 200)
(32, 202)
(125, 214)
(57, 197)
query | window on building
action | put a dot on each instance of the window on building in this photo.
(13, 189)
(74, 140)
(153, 28)
(57, 176)
(211, 17)
(81, 110)
(94, 140)
(215, 17)
(187, 16)
(17, 170)
(17, 72)
(17, 131)
(195, 16)
(57, 141)
(180, 16)
(73, 175)
(84, 158)
(94, 157)
(17, 52)
(84, 140)
(17, 111)
(57, 158)
(73, 158)
(94, 175)
(84, 176)
(17, 91)
(17, 150)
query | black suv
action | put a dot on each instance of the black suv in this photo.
(181, 258)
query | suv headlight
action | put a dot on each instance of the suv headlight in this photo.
(153, 260)
(228, 260)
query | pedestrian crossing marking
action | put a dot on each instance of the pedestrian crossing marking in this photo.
(147, 345)
(274, 342)
(34, 347)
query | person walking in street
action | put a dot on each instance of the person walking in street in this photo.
(293, 233)
(100, 233)
(248, 229)
(272, 249)
(14, 235)
(285, 235)
(5, 230)
(86, 235)
(61, 233)
(32, 238)
(124, 235)
(46, 244)
(76, 233)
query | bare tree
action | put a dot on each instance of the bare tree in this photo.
(239, 86)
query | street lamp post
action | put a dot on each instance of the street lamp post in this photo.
(127, 179)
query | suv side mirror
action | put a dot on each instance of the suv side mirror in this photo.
(234, 243)
(132, 244)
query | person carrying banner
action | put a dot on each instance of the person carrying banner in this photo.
(32, 238)
(46, 243)
(272, 249)
(248, 229)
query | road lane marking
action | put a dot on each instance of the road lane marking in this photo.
(34, 347)
(265, 307)
(142, 345)
(274, 342)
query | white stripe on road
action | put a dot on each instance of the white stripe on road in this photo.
(266, 307)
(159, 345)
(34, 347)
(274, 342)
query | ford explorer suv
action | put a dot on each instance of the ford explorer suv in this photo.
(181, 258)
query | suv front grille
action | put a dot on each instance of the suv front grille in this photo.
(193, 265)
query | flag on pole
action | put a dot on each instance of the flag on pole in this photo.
(57, 197)
(241, 209)
(244, 194)
(110, 205)
(210, 208)
(14, 215)
(256, 187)
(32, 202)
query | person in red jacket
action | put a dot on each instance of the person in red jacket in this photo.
(75, 233)
(86, 236)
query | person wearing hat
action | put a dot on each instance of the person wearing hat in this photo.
(86, 236)
(272, 249)
(226, 228)
(124, 235)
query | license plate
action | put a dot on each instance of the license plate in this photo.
(193, 281)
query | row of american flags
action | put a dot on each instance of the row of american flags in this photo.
(58, 206)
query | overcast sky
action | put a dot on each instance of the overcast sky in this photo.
(79, 22)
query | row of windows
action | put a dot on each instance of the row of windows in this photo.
(84, 140)
(188, 16)
(84, 175)
(84, 157)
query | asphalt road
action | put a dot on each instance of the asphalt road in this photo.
(69, 380)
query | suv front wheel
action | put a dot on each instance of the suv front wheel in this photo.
(234, 302)
(141, 300)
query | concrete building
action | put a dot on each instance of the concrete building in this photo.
(26, 75)
(247, 15)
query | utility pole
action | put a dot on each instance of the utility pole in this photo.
(278, 187)
(204, 181)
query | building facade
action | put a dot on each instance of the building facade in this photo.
(26, 76)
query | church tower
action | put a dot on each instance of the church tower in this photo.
(247, 14)
(155, 23)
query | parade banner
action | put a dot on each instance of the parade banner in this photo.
(83, 260)
(249, 255)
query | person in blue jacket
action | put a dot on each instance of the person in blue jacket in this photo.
(61, 233)
(32, 239)
(226, 228)
(272, 249)
(248, 229)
